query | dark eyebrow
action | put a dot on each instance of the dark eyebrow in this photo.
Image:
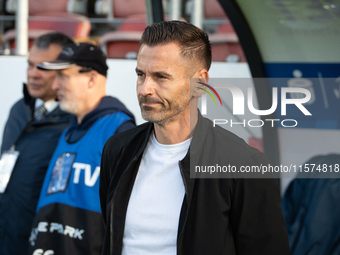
(138, 70)
(162, 74)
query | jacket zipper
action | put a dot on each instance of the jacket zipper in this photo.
(186, 216)
(112, 204)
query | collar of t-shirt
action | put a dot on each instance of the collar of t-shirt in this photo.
(182, 146)
(49, 105)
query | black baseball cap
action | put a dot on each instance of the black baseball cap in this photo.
(81, 54)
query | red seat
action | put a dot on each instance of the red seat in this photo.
(213, 9)
(36, 7)
(126, 8)
(8, 39)
(73, 25)
(118, 44)
(133, 23)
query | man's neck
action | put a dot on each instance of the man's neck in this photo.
(90, 106)
(177, 131)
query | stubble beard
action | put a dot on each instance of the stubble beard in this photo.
(68, 106)
(166, 114)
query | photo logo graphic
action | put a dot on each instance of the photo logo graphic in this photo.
(212, 89)
(242, 97)
(239, 100)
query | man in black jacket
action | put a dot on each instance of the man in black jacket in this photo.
(34, 132)
(149, 201)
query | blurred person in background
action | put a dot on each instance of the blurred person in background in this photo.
(33, 128)
(68, 217)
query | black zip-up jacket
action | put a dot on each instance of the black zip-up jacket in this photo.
(219, 216)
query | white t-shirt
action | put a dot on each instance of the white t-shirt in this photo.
(155, 203)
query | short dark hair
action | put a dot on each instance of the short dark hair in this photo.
(193, 42)
(44, 41)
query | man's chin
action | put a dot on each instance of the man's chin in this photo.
(157, 119)
(149, 116)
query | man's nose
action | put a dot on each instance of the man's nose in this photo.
(147, 87)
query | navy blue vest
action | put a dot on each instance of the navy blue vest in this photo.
(68, 219)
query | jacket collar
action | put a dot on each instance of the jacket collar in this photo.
(195, 146)
(144, 143)
(29, 101)
(199, 134)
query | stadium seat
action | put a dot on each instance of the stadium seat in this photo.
(124, 42)
(121, 8)
(126, 8)
(213, 9)
(120, 44)
(133, 23)
(38, 6)
(73, 25)
(8, 39)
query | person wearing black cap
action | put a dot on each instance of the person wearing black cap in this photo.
(68, 216)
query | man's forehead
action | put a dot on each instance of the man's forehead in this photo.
(159, 57)
(172, 47)
(160, 54)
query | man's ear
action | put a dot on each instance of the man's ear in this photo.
(93, 78)
(197, 84)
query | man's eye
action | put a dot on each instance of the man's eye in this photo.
(161, 76)
(140, 74)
